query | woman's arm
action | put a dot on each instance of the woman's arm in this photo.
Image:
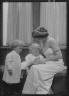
(56, 51)
(54, 57)
(40, 60)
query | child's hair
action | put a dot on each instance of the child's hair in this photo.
(16, 43)
(36, 45)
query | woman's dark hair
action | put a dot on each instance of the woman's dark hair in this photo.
(40, 32)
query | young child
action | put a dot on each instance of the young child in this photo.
(12, 70)
(34, 57)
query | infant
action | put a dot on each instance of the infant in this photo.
(34, 56)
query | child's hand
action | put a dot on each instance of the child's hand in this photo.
(10, 72)
(43, 62)
(37, 60)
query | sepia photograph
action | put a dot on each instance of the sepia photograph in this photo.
(33, 44)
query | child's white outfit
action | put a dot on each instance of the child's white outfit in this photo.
(12, 62)
(30, 58)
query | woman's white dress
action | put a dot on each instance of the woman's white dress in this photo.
(40, 77)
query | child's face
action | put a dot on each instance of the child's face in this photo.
(18, 49)
(35, 51)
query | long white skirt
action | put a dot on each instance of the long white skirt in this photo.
(40, 77)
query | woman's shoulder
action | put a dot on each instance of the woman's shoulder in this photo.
(53, 44)
(50, 39)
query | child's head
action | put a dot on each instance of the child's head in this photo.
(17, 45)
(35, 49)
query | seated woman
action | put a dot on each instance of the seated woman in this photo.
(40, 77)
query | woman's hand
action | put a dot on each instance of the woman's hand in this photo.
(42, 61)
(37, 60)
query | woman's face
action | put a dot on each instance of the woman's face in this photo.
(40, 40)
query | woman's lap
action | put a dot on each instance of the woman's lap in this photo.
(50, 69)
(42, 76)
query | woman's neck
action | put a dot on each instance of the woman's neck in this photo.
(45, 41)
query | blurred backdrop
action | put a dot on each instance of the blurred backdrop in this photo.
(21, 18)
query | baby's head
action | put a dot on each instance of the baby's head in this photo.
(35, 49)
